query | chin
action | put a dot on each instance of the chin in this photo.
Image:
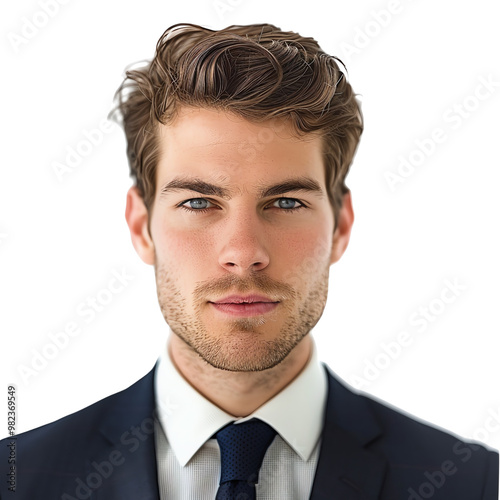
(244, 352)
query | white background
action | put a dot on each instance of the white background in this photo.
(61, 239)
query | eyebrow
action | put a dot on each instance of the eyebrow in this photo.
(200, 186)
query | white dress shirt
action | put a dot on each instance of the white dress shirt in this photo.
(189, 460)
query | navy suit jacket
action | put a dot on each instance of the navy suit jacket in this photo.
(369, 451)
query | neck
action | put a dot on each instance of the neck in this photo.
(237, 393)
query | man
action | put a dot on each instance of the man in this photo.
(239, 142)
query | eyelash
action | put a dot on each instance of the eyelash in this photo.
(204, 210)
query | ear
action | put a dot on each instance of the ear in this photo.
(137, 217)
(342, 232)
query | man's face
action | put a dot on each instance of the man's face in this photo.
(241, 210)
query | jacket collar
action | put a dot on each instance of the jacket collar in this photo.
(128, 426)
(346, 469)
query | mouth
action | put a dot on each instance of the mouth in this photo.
(244, 299)
(244, 306)
(245, 309)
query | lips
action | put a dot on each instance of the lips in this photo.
(245, 305)
(245, 309)
(244, 299)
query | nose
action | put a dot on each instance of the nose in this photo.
(243, 248)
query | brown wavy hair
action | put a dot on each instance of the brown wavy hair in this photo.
(256, 71)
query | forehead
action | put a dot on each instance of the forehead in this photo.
(209, 142)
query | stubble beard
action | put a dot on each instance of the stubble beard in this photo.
(241, 348)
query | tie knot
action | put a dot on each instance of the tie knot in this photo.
(242, 448)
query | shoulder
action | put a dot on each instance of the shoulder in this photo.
(419, 437)
(59, 451)
(82, 424)
(416, 452)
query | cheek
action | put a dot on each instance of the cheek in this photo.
(305, 256)
(184, 250)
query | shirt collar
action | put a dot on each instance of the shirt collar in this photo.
(189, 419)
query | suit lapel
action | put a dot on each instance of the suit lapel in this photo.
(128, 428)
(346, 469)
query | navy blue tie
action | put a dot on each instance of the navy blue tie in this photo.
(242, 450)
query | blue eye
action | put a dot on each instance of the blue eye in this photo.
(197, 205)
(286, 203)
